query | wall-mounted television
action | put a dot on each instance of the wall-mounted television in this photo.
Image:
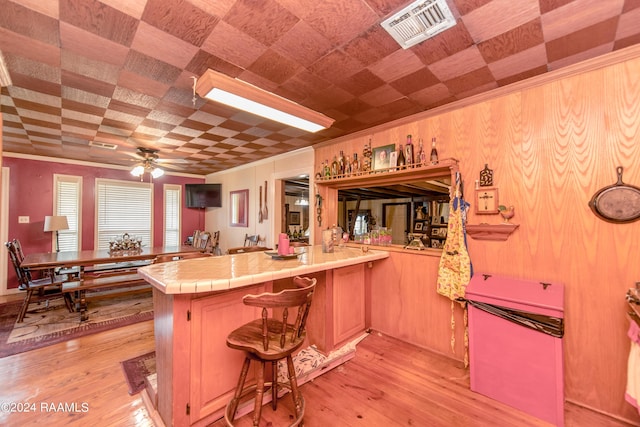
(203, 195)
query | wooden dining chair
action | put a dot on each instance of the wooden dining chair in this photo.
(215, 243)
(251, 240)
(202, 241)
(19, 251)
(275, 336)
(37, 290)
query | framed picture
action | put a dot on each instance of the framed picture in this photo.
(393, 160)
(435, 232)
(418, 226)
(435, 220)
(436, 244)
(381, 156)
(294, 218)
(442, 232)
(487, 201)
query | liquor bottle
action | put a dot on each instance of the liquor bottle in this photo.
(366, 158)
(347, 166)
(327, 170)
(408, 152)
(402, 161)
(341, 164)
(421, 158)
(355, 166)
(434, 152)
(334, 167)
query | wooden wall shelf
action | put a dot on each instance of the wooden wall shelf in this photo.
(495, 232)
(390, 176)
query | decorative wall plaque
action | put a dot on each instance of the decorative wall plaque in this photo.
(487, 201)
(486, 176)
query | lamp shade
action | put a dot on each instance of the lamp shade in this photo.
(55, 223)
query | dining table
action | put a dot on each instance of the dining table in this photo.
(100, 269)
(70, 259)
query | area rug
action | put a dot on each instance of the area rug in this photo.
(46, 325)
(137, 369)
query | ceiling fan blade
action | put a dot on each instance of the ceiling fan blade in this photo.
(171, 166)
(175, 161)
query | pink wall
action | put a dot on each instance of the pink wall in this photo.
(31, 194)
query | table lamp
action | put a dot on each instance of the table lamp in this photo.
(56, 223)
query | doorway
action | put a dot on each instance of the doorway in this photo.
(395, 216)
(296, 202)
(4, 228)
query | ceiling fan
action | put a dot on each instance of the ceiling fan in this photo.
(148, 162)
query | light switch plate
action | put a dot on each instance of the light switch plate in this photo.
(23, 220)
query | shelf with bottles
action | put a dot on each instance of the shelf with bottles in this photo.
(391, 174)
(378, 160)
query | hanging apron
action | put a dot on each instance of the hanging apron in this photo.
(455, 268)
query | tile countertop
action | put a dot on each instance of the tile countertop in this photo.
(218, 273)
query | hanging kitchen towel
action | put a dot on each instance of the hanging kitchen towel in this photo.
(632, 394)
(454, 272)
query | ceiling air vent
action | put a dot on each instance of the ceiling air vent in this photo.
(105, 145)
(419, 21)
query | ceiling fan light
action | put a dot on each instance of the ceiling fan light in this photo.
(301, 202)
(157, 172)
(247, 97)
(137, 171)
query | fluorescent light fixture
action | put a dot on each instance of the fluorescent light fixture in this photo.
(247, 97)
(5, 78)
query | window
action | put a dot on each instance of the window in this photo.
(362, 221)
(67, 193)
(123, 207)
(172, 209)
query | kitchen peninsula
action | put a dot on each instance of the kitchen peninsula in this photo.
(197, 302)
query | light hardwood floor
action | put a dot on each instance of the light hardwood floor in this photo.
(388, 383)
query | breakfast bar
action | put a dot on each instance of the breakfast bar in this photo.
(197, 302)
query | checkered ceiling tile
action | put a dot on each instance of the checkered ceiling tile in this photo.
(86, 73)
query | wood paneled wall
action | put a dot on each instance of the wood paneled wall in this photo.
(552, 142)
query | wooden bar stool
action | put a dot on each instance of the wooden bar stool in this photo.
(270, 339)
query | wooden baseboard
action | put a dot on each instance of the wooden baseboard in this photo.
(151, 409)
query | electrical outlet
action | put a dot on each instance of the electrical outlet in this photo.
(23, 220)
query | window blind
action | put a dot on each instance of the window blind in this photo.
(123, 207)
(67, 196)
(172, 198)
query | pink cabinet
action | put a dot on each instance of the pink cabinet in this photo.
(515, 343)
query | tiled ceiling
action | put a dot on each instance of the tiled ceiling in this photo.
(86, 72)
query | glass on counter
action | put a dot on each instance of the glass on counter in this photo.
(385, 237)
